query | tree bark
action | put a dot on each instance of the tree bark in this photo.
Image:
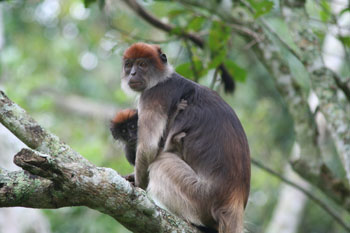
(56, 176)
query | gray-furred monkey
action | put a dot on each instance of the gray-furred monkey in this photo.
(208, 183)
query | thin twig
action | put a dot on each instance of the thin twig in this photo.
(310, 195)
(134, 5)
(193, 65)
(234, 26)
(135, 37)
(126, 33)
(253, 42)
(342, 85)
(272, 31)
(215, 76)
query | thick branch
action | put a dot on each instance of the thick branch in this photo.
(30, 132)
(21, 188)
(338, 120)
(61, 177)
(310, 165)
(322, 80)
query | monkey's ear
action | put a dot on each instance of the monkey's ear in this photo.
(163, 58)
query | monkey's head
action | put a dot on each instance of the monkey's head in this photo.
(124, 126)
(144, 66)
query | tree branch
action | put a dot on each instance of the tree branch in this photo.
(322, 80)
(21, 188)
(306, 192)
(151, 19)
(338, 120)
(343, 85)
(58, 176)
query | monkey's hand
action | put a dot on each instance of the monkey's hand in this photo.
(182, 105)
(141, 170)
(130, 178)
(178, 137)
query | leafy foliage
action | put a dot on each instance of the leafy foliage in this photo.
(56, 48)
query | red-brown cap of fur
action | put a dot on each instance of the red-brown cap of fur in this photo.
(124, 115)
(143, 50)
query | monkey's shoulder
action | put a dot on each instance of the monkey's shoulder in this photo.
(169, 92)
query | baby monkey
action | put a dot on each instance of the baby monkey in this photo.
(124, 129)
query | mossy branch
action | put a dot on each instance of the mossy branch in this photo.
(55, 176)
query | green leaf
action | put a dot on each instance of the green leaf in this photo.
(261, 7)
(176, 31)
(320, 34)
(196, 23)
(236, 71)
(177, 12)
(345, 40)
(87, 3)
(217, 59)
(186, 69)
(344, 11)
(325, 13)
(218, 36)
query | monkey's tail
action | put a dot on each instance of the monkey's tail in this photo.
(231, 219)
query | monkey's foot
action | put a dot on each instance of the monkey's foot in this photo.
(130, 178)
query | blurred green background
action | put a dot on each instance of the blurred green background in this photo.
(62, 62)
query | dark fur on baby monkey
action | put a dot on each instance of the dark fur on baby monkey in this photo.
(124, 129)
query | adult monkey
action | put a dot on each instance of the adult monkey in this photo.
(208, 184)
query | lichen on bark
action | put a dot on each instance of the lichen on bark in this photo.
(56, 176)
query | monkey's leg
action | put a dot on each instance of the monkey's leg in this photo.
(174, 185)
(148, 137)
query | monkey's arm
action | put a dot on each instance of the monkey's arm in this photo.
(130, 153)
(152, 124)
(180, 106)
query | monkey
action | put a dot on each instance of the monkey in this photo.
(124, 129)
(208, 182)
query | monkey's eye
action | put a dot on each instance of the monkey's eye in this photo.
(143, 64)
(127, 64)
(132, 126)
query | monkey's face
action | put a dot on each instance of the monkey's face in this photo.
(136, 73)
(126, 132)
(131, 132)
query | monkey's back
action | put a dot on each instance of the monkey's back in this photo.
(215, 145)
(215, 142)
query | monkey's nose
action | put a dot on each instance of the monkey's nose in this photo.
(133, 73)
